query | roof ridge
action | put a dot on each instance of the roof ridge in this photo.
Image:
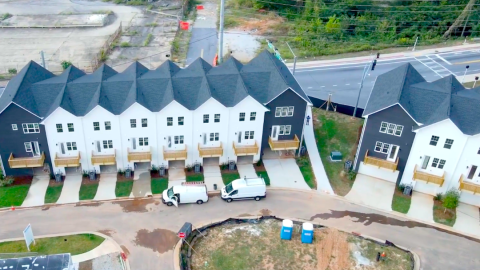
(276, 67)
(407, 66)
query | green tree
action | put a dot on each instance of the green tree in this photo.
(450, 199)
(66, 64)
(333, 26)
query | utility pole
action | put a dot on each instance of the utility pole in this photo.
(465, 25)
(415, 45)
(294, 58)
(220, 40)
(366, 69)
(42, 57)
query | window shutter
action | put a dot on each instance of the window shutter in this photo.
(99, 149)
(426, 159)
(134, 143)
(239, 137)
(169, 141)
(62, 147)
(204, 138)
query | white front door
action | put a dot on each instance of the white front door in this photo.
(98, 147)
(275, 130)
(36, 149)
(392, 153)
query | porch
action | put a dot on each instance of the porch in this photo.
(210, 151)
(67, 161)
(245, 150)
(139, 156)
(175, 154)
(284, 144)
(380, 163)
(468, 186)
(428, 178)
(104, 159)
(26, 162)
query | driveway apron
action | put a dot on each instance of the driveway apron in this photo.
(372, 191)
(421, 207)
(71, 187)
(246, 170)
(468, 219)
(212, 176)
(106, 187)
(285, 173)
(142, 186)
(36, 193)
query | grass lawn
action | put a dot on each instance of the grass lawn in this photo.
(400, 202)
(441, 216)
(336, 132)
(265, 177)
(123, 188)
(13, 195)
(159, 185)
(198, 177)
(74, 244)
(53, 193)
(307, 171)
(229, 177)
(87, 192)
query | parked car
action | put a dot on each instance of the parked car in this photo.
(244, 189)
(185, 194)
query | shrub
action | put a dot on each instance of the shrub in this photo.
(103, 56)
(12, 71)
(121, 172)
(189, 168)
(85, 173)
(154, 169)
(125, 44)
(401, 187)
(438, 197)
(451, 198)
(65, 64)
(6, 181)
(259, 163)
(351, 175)
(224, 166)
(154, 24)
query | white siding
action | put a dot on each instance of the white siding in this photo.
(61, 116)
(99, 114)
(469, 157)
(421, 147)
(130, 135)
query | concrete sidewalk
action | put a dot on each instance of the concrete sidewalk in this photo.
(323, 184)
(71, 188)
(106, 247)
(36, 193)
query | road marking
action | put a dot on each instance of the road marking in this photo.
(347, 84)
(443, 59)
(467, 62)
(323, 86)
(334, 85)
(309, 87)
(339, 66)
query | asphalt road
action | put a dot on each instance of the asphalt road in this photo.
(146, 229)
(343, 81)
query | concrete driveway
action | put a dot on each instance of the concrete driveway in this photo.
(246, 170)
(212, 174)
(468, 219)
(372, 192)
(36, 193)
(421, 207)
(106, 187)
(142, 184)
(71, 187)
(285, 173)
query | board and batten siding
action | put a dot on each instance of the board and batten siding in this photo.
(287, 98)
(393, 115)
(470, 156)
(13, 140)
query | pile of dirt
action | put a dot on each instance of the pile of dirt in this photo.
(332, 251)
(259, 26)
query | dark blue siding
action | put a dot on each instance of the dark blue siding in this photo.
(12, 141)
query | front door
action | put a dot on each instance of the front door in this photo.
(393, 152)
(35, 149)
(471, 174)
(275, 132)
(98, 147)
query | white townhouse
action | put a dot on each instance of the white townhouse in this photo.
(107, 121)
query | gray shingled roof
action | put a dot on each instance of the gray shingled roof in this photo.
(38, 91)
(428, 103)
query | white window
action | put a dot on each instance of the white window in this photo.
(214, 137)
(383, 127)
(249, 135)
(70, 127)
(71, 146)
(14, 127)
(108, 125)
(253, 115)
(398, 130)
(435, 162)
(242, 117)
(284, 130)
(59, 128)
(434, 140)
(391, 129)
(205, 118)
(284, 111)
(178, 139)
(448, 144)
(107, 144)
(378, 147)
(133, 123)
(28, 147)
(216, 118)
(442, 164)
(278, 112)
(169, 121)
(281, 130)
(180, 121)
(96, 126)
(143, 141)
(288, 128)
(30, 128)
(290, 110)
(385, 148)
(144, 122)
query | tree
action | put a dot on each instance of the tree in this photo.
(66, 64)
(12, 71)
(450, 199)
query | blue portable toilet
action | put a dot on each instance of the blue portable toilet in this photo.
(307, 233)
(287, 229)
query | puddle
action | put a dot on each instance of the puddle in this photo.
(107, 232)
(158, 240)
(265, 212)
(90, 204)
(138, 205)
(125, 250)
(370, 218)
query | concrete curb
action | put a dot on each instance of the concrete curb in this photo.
(106, 237)
(176, 251)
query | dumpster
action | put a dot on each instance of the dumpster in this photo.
(307, 233)
(287, 229)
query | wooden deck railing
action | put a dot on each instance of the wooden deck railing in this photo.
(175, 154)
(67, 161)
(429, 178)
(468, 186)
(380, 162)
(28, 162)
(104, 159)
(139, 156)
(211, 151)
(284, 144)
(245, 150)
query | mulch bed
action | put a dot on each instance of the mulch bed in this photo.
(440, 213)
(192, 171)
(260, 168)
(87, 181)
(22, 180)
(122, 178)
(54, 183)
(227, 171)
(157, 174)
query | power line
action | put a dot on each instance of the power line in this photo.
(378, 5)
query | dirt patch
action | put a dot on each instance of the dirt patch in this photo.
(331, 250)
(86, 265)
(259, 26)
(107, 232)
(265, 212)
(137, 205)
(53, 183)
(22, 180)
(122, 178)
(125, 250)
(86, 180)
(245, 215)
(442, 215)
(259, 167)
(158, 240)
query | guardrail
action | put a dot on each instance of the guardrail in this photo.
(380, 162)
(429, 178)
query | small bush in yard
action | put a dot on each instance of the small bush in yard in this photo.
(12, 71)
(66, 64)
(351, 175)
(401, 187)
(259, 163)
(6, 182)
(438, 197)
(450, 199)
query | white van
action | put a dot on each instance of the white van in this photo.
(185, 194)
(244, 189)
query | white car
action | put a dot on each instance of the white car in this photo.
(185, 194)
(244, 189)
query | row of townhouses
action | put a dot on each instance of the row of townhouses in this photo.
(423, 134)
(108, 120)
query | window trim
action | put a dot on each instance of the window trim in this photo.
(14, 127)
(180, 123)
(241, 117)
(206, 118)
(169, 121)
(435, 162)
(379, 145)
(71, 146)
(432, 140)
(143, 141)
(285, 111)
(448, 144)
(59, 128)
(401, 131)
(30, 147)
(249, 135)
(109, 126)
(144, 122)
(215, 118)
(253, 116)
(35, 128)
(96, 128)
(441, 164)
(107, 144)
(381, 127)
(133, 123)
(72, 129)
